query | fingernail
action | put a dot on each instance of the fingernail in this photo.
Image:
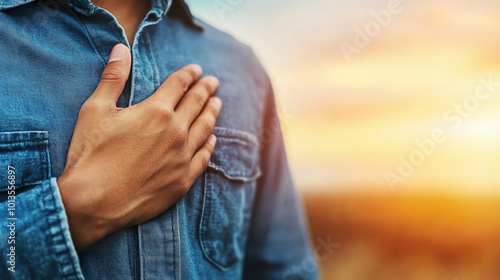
(217, 103)
(213, 81)
(118, 53)
(212, 139)
(197, 69)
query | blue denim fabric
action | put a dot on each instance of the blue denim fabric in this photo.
(240, 220)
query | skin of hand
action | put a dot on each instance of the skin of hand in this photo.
(126, 166)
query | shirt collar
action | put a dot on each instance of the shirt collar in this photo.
(175, 8)
(6, 4)
(86, 7)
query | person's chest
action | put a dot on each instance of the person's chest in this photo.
(49, 69)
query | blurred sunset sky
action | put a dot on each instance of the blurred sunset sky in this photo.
(348, 121)
(376, 89)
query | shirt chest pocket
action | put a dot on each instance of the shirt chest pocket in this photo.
(229, 190)
(24, 160)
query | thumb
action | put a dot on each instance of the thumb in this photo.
(115, 74)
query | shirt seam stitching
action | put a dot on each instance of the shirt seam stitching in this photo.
(85, 30)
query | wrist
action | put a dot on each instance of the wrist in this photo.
(85, 227)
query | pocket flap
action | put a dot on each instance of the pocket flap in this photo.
(26, 152)
(236, 155)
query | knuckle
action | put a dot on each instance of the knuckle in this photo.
(162, 111)
(183, 160)
(181, 81)
(184, 186)
(90, 107)
(205, 160)
(179, 134)
(207, 127)
(199, 98)
(112, 75)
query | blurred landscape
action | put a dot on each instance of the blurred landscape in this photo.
(406, 236)
(362, 87)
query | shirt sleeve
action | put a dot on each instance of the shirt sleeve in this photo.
(278, 246)
(35, 238)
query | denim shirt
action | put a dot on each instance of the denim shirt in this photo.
(240, 220)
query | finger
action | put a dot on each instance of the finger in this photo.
(114, 76)
(194, 100)
(203, 126)
(201, 158)
(176, 85)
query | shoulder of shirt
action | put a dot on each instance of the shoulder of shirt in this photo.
(219, 39)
